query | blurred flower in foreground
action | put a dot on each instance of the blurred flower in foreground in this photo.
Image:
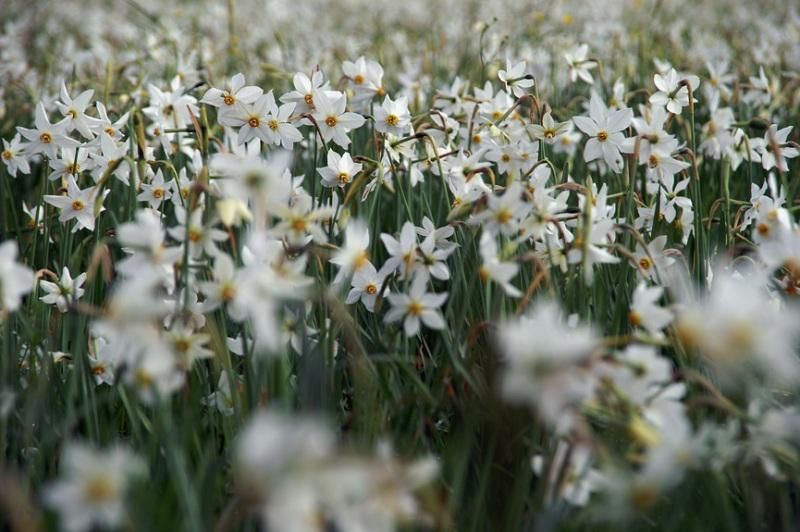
(16, 280)
(291, 469)
(91, 490)
(543, 357)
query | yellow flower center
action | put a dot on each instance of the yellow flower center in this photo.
(143, 378)
(77, 205)
(228, 293)
(7, 155)
(503, 216)
(602, 136)
(358, 79)
(309, 99)
(343, 178)
(415, 308)
(392, 120)
(158, 193)
(299, 224)
(645, 263)
(99, 490)
(228, 99)
(182, 345)
(46, 138)
(371, 289)
(254, 122)
(273, 124)
(331, 121)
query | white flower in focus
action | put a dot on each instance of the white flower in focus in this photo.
(605, 129)
(418, 306)
(392, 117)
(671, 93)
(341, 170)
(14, 157)
(515, 79)
(78, 204)
(64, 292)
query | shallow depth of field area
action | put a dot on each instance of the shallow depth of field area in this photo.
(357, 266)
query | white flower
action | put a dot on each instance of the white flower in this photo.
(605, 129)
(550, 130)
(340, 170)
(746, 337)
(403, 252)
(671, 93)
(774, 149)
(495, 269)
(91, 490)
(365, 286)
(543, 358)
(110, 154)
(74, 112)
(16, 280)
(652, 264)
(172, 108)
(333, 121)
(354, 254)
(418, 306)
(579, 64)
(645, 311)
(231, 97)
(47, 137)
(392, 117)
(78, 204)
(305, 88)
(515, 79)
(13, 156)
(65, 292)
(156, 191)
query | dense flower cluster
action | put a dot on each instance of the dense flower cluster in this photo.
(217, 228)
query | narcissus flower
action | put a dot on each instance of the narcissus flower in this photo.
(64, 292)
(417, 307)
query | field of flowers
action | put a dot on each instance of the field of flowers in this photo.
(421, 265)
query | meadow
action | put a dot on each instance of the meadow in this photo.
(363, 266)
